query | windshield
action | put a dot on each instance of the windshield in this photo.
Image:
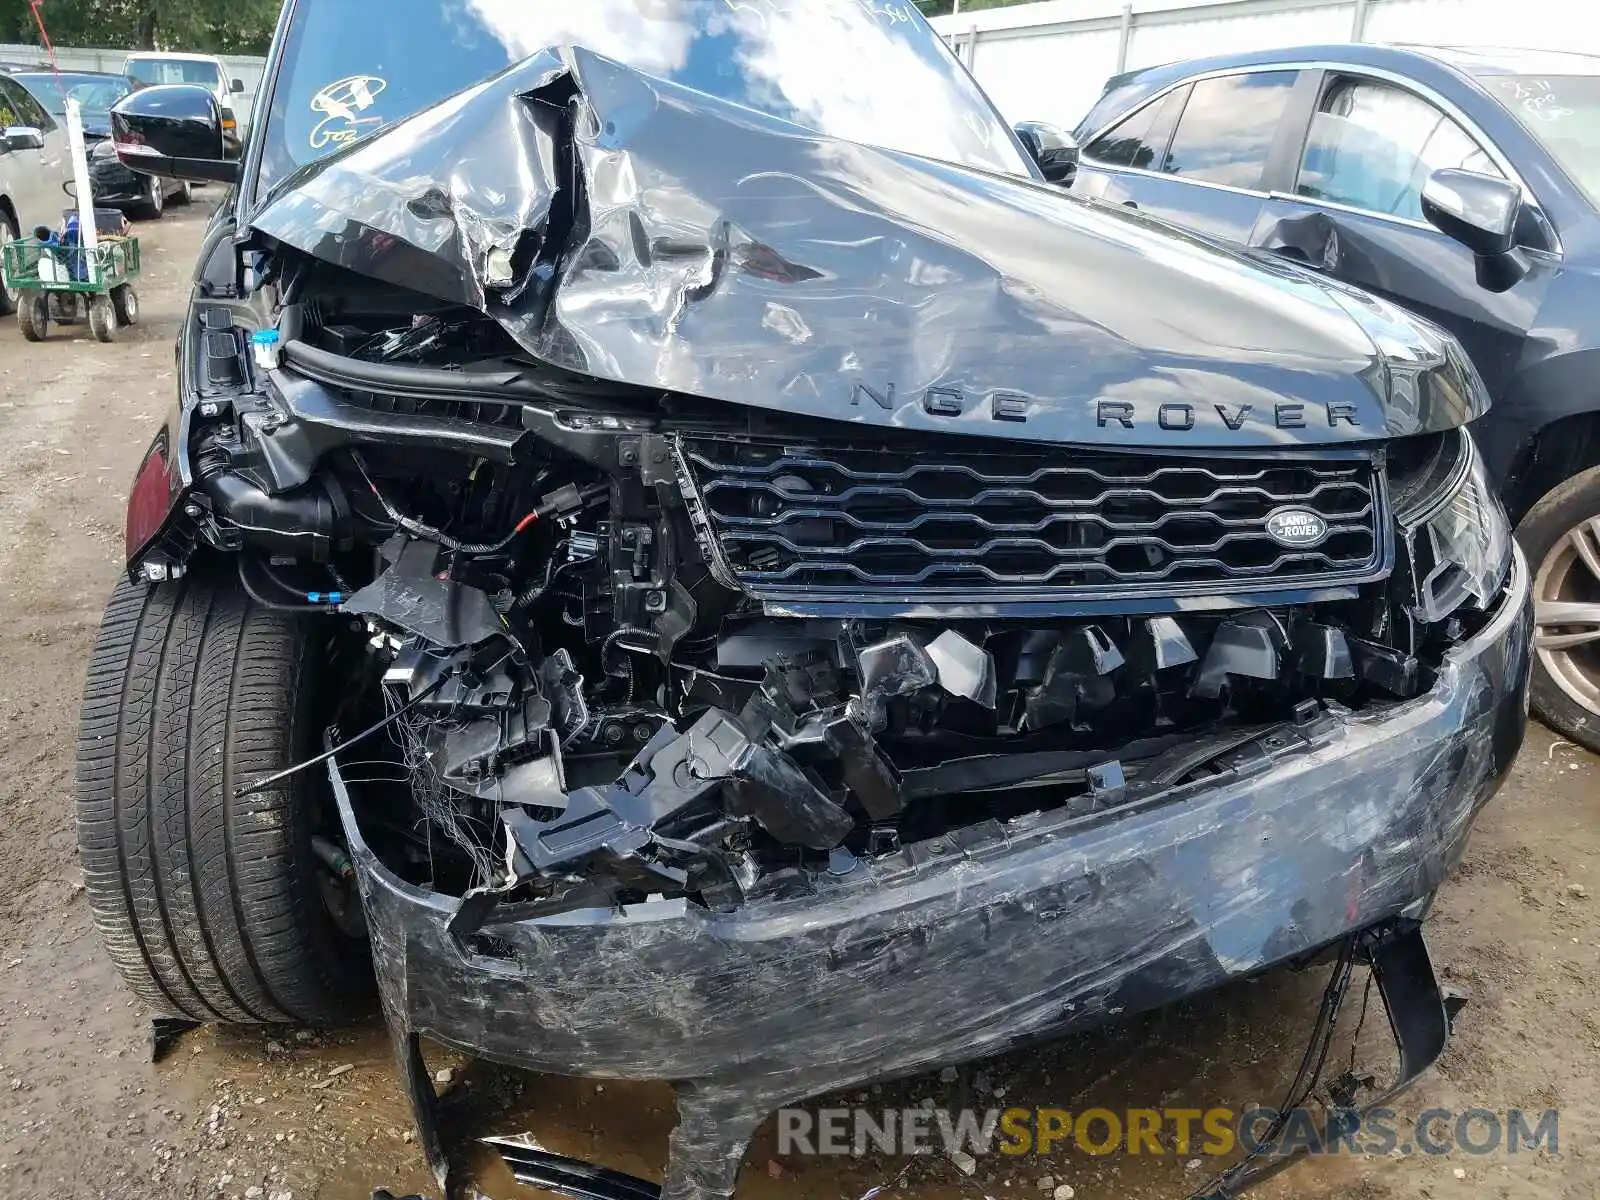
(868, 71)
(95, 94)
(174, 70)
(1563, 112)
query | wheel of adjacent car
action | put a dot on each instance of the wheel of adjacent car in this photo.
(1561, 538)
(154, 202)
(126, 303)
(33, 315)
(103, 318)
(210, 903)
(184, 194)
(8, 233)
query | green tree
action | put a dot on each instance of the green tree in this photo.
(214, 26)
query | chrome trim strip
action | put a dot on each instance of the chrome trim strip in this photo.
(1319, 202)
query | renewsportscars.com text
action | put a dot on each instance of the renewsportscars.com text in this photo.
(1216, 1132)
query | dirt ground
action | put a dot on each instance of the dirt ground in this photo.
(269, 1114)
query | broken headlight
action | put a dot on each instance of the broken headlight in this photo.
(1452, 520)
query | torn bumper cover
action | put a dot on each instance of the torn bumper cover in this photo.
(989, 936)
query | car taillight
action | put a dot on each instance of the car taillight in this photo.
(151, 498)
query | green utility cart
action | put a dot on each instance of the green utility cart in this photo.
(68, 284)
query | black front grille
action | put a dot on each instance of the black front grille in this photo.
(788, 522)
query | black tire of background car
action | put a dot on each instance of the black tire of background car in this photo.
(184, 194)
(208, 902)
(151, 208)
(1563, 509)
(103, 318)
(33, 315)
(9, 223)
(126, 301)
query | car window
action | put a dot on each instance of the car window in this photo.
(17, 107)
(9, 114)
(174, 70)
(94, 93)
(1227, 127)
(1138, 140)
(1373, 146)
(1563, 112)
(879, 74)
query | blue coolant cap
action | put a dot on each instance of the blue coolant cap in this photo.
(264, 337)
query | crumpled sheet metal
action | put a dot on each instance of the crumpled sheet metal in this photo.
(670, 240)
(944, 956)
(433, 203)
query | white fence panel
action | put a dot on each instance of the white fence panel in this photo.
(1053, 78)
(1218, 33)
(1537, 24)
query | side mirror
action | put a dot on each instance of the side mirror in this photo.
(174, 130)
(1054, 149)
(237, 87)
(1479, 211)
(23, 137)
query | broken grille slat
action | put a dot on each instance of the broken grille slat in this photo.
(954, 524)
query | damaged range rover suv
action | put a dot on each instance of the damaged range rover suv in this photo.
(679, 542)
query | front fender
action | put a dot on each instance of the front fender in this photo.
(157, 536)
(1543, 428)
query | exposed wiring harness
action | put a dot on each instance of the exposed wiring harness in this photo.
(553, 566)
(410, 705)
(301, 601)
(560, 502)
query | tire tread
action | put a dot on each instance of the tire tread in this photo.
(207, 902)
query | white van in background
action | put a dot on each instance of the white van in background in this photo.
(206, 70)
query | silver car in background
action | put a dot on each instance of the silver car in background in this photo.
(34, 164)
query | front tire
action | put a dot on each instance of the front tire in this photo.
(1561, 538)
(8, 233)
(210, 904)
(154, 203)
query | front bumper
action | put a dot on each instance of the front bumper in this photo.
(112, 183)
(967, 946)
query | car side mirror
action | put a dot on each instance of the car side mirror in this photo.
(1479, 211)
(237, 87)
(1054, 149)
(174, 130)
(23, 137)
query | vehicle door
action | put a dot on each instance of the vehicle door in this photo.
(1200, 154)
(1354, 211)
(33, 178)
(19, 169)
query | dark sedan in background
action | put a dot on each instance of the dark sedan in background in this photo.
(1462, 184)
(115, 186)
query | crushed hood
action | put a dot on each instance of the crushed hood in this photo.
(638, 231)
